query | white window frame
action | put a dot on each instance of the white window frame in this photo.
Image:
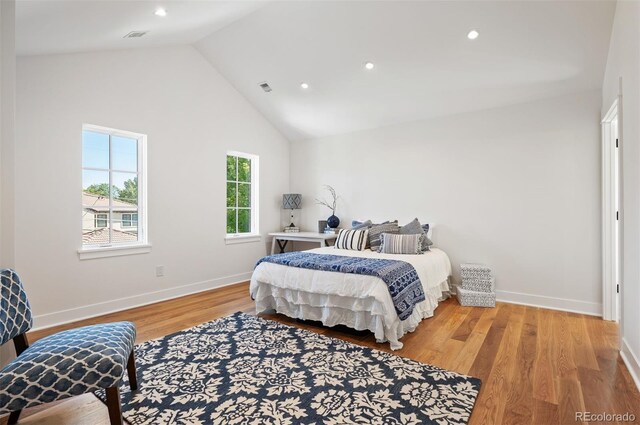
(142, 245)
(98, 217)
(254, 235)
(131, 220)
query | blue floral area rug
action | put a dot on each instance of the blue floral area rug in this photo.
(242, 369)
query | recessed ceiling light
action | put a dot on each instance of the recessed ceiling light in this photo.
(473, 34)
(304, 85)
(369, 65)
(161, 12)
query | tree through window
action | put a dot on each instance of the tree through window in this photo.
(112, 165)
(241, 193)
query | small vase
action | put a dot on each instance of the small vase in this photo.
(333, 222)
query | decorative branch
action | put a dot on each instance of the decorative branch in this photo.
(331, 205)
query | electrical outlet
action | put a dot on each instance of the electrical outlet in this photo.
(159, 271)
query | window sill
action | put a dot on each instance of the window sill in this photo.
(230, 240)
(113, 251)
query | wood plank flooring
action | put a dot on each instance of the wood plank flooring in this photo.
(537, 366)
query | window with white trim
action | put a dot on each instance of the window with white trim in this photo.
(113, 188)
(242, 194)
(101, 220)
(130, 220)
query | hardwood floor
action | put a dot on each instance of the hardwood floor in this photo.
(537, 366)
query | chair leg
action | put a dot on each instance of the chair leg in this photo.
(113, 404)
(131, 370)
(14, 416)
(21, 343)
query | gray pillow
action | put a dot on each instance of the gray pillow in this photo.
(415, 228)
(425, 227)
(412, 228)
(357, 225)
(378, 229)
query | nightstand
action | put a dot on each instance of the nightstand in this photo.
(282, 238)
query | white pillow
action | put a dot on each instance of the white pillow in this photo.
(354, 240)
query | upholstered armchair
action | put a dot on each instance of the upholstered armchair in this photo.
(62, 365)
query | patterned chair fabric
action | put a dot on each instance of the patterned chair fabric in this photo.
(15, 312)
(66, 364)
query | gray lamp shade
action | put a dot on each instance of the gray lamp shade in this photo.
(291, 201)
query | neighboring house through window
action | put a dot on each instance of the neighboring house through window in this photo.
(101, 220)
(129, 220)
(242, 194)
(113, 187)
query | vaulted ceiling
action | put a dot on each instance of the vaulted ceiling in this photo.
(425, 66)
(67, 26)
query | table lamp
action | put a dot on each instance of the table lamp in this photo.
(291, 201)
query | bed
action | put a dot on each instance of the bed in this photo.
(358, 301)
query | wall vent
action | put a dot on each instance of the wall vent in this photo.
(135, 34)
(265, 86)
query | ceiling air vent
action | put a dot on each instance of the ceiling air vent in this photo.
(265, 86)
(135, 34)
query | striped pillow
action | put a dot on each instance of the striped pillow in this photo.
(400, 244)
(378, 229)
(354, 240)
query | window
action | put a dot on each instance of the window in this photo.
(113, 189)
(129, 220)
(242, 194)
(101, 220)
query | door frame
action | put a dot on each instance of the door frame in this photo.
(610, 173)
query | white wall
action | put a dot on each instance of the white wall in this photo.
(7, 130)
(517, 188)
(624, 63)
(7, 143)
(192, 116)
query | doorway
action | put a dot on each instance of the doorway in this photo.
(611, 214)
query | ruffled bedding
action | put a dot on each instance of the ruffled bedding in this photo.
(357, 301)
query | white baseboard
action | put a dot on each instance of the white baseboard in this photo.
(563, 304)
(79, 313)
(632, 362)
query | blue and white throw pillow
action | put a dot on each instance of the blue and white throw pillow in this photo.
(400, 244)
(354, 240)
(357, 225)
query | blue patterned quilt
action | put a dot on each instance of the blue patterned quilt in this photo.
(401, 277)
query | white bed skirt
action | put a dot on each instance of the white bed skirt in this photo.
(356, 313)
